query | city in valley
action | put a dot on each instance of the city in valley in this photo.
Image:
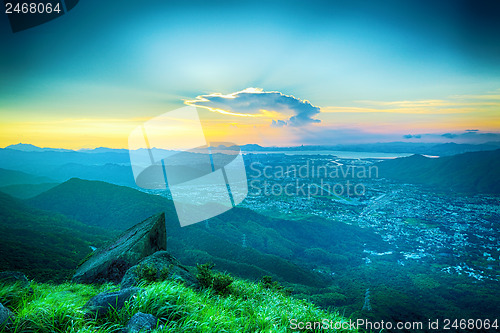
(453, 232)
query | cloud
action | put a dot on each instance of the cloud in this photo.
(278, 123)
(255, 102)
(339, 136)
(325, 135)
(449, 135)
(456, 104)
(412, 136)
(472, 136)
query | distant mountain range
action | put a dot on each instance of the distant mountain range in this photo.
(58, 166)
(113, 165)
(477, 172)
(438, 149)
(441, 149)
(32, 148)
(471, 172)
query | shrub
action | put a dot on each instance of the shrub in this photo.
(218, 282)
(268, 283)
(146, 273)
(150, 273)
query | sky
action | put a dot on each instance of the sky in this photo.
(272, 73)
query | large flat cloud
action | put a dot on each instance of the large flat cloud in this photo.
(286, 110)
(471, 136)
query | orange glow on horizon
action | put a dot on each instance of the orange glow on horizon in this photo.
(454, 114)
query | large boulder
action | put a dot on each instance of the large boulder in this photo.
(101, 304)
(157, 267)
(109, 264)
(141, 322)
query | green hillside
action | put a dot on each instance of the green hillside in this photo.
(26, 191)
(116, 207)
(321, 260)
(477, 172)
(44, 245)
(286, 250)
(10, 177)
(101, 204)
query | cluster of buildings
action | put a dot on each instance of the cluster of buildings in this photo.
(459, 233)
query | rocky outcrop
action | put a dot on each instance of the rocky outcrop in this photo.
(6, 316)
(109, 264)
(141, 322)
(157, 267)
(101, 304)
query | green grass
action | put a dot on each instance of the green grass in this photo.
(51, 308)
(247, 307)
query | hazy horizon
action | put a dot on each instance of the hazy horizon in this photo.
(22, 144)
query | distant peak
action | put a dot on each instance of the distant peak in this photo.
(27, 147)
(24, 147)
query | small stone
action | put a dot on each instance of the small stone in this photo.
(6, 316)
(141, 322)
(101, 304)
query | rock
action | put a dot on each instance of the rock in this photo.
(157, 267)
(141, 322)
(6, 316)
(13, 277)
(109, 264)
(99, 305)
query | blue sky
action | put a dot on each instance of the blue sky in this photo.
(104, 67)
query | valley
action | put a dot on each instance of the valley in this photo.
(330, 229)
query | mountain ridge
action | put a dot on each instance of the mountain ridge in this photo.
(477, 172)
(426, 148)
(270, 242)
(14, 177)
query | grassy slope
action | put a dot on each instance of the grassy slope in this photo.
(249, 308)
